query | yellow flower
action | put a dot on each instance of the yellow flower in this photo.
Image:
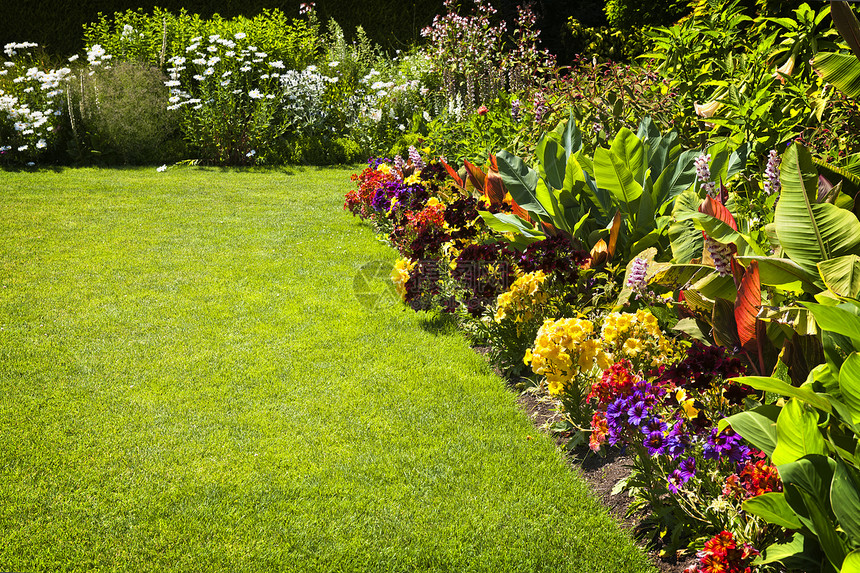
(400, 275)
(412, 179)
(384, 168)
(555, 387)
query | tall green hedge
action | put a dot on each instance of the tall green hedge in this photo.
(57, 24)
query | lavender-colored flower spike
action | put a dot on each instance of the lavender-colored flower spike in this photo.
(638, 272)
(771, 173)
(703, 173)
(722, 255)
(415, 158)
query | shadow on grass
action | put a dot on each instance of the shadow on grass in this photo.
(437, 323)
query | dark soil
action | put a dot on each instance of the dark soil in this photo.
(602, 474)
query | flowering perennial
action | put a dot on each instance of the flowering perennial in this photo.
(563, 349)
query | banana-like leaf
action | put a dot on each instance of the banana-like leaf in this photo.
(849, 385)
(675, 179)
(842, 275)
(716, 209)
(757, 426)
(611, 173)
(686, 241)
(773, 508)
(720, 231)
(630, 149)
(846, 24)
(784, 273)
(571, 138)
(554, 162)
(521, 181)
(524, 233)
(797, 434)
(809, 232)
(841, 70)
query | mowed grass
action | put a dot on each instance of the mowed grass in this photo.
(189, 383)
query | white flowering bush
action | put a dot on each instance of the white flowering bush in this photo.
(31, 101)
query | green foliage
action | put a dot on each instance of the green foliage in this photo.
(814, 440)
(604, 42)
(623, 194)
(631, 13)
(120, 114)
(158, 36)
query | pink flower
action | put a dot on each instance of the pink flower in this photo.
(483, 110)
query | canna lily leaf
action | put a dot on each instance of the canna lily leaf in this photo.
(747, 306)
(842, 275)
(841, 70)
(809, 232)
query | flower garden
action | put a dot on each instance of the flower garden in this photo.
(665, 253)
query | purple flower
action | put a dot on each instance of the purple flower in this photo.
(726, 444)
(638, 272)
(682, 475)
(654, 425)
(688, 469)
(771, 173)
(637, 414)
(655, 443)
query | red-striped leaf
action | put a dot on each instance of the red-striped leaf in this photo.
(715, 208)
(494, 187)
(747, 306)
(476, 175)
(454, 175)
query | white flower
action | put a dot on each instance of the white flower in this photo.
(73, 58)
(255, 94)
(426, 116)
(162, 169)
(240, 35)
(208, 71)
(198, 77)
(172, 83)
(225, 83)
(41, 144)
(333, 64)
(251, 153)
(278, 64)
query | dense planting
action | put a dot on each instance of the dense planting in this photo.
(664, 252)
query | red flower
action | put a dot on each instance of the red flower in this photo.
(483, 110)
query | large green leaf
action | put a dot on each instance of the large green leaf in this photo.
(520, 181)
(842, 319)
(571, 138)
(777, 386)
(675, 178)
(797, 433)
(852, 562)
(524, 233)
(611, 173)
(773, 508)
(784, 273)
(811, 232)
(757, 426)
(845, 500)
(801, 552)
(842, 275)
(841, 70)
(631, 151)
(719, 231)
(832, 544)
(686, 241)
(554, 163)
(849, 386)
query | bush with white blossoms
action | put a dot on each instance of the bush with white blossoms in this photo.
(31, 101)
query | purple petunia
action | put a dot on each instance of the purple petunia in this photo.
(655, 443)
(637, 414)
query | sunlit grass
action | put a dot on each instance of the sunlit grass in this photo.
(189, 383)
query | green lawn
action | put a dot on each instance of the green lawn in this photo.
(188, 383)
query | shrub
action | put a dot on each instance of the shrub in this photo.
(122, 115)
(633, 13)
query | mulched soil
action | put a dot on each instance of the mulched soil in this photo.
(602, 474)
